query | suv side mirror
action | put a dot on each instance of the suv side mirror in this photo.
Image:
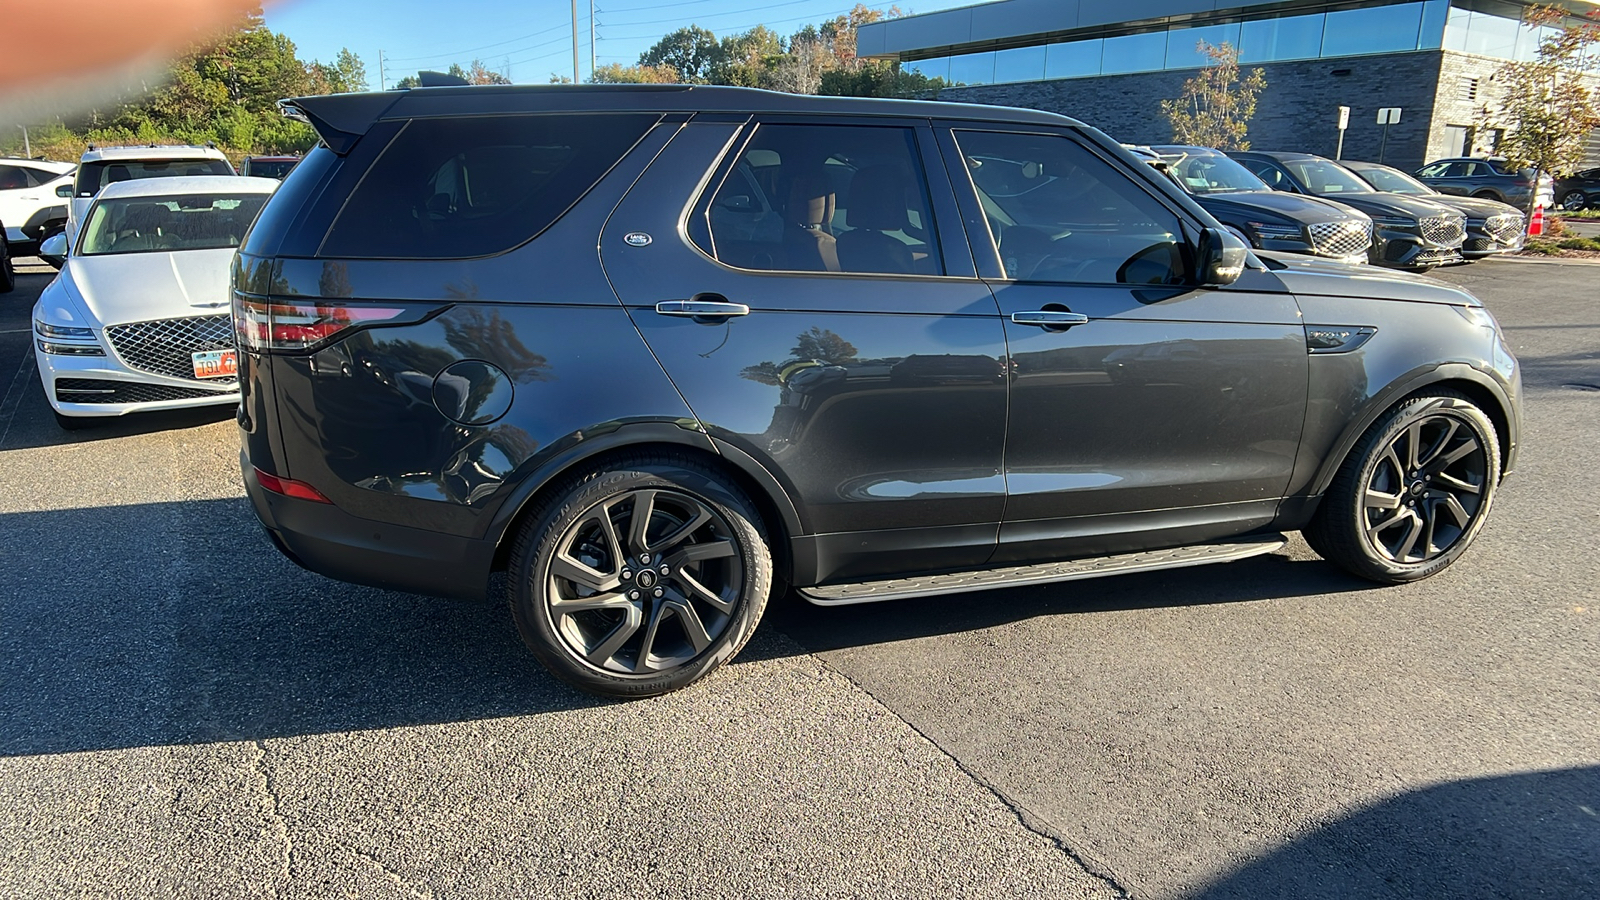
(54, 250)
(64, 190)
(1221, 257)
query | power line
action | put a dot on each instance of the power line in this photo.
(461, 53)
(728, 28)
(731, 12)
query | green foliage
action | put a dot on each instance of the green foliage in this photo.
(224, 92)
(690, 51)
(1216, 106)
(616, 73)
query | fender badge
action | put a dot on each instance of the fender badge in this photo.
(636, 239)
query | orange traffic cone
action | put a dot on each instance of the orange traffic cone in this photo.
(1536, 224)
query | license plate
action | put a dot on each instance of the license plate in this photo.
(216, 363)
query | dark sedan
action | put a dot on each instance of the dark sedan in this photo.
(1412, 233)
(1267, 219)
(1492, 227)
(1579, 191)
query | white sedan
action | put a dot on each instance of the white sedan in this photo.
(138, 318)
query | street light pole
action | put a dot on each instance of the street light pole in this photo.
(574, 41)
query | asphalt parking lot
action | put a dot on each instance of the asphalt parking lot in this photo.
(185, 713)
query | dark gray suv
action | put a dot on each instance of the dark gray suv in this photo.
(656, 354)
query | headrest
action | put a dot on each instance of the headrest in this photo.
(146, 217)
(878, 198)
(811, 201)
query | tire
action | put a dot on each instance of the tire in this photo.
(588, 589)
(1375, 513)
(1574, 201)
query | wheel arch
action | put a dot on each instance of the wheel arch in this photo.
(1481, 389)
(777, 510)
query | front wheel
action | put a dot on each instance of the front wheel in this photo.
(1413, 493)
(641, 577)
(1574, 201)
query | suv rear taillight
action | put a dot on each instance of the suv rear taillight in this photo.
(298, 326)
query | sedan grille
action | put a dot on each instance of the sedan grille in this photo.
(1345, 238)
(1505, 228)
(96, 390)
(167, 346)
(1444, 231)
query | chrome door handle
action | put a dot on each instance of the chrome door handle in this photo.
(1050, 318)
(714, 309)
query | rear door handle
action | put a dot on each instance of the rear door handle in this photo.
(702, 309)
(1050, 318)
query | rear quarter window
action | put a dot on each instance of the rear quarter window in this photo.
(452, 188)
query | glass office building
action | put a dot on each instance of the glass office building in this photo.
(1433, 58)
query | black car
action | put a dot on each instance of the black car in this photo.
(1267, 219)
(1487, 179)
(1411, 233)
(1492, 227)
(1579, 191)
(642, 357)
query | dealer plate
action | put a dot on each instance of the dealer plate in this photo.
(216, 363)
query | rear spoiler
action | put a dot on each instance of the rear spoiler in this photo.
(340, 119)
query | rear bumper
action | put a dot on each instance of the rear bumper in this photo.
(322, 538)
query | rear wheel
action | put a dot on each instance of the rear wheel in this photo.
(1413, 493)
(640, 577)
(1574, 201)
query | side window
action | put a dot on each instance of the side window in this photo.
(12, 178)
(1434, 171)
(824, 198)
(1059, 213)
(1266, 172)
(1459, 170)
(452, 188)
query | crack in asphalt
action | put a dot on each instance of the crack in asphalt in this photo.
(269, 793)
(1029, 820)
(392, 875)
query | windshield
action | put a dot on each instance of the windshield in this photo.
(1207, 174)
(1323, 177)
(1391, 182)
(92, 176)
(159, 224)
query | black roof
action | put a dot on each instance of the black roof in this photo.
(1280, 155)
(340, 118)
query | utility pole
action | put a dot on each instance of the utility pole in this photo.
(383, 80)
(27, 149)
(591, 38)
(574, 41)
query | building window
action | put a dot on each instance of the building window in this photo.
(1183, 44)
(1286, 37)
(972, 68)
(1375, 29)
(1073, 59)
(938, 67)
(1134, 53)
(1458, 140)
(1019, 64)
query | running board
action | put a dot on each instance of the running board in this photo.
(1043, 573)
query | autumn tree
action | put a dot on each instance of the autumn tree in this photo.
(1545, 105)
(1216, 106)
(617, 73)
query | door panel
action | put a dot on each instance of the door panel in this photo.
(1172, 413)
(877, 400)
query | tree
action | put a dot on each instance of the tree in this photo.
(690, 51)
(482, 74)
(1215, 107)
(617, 73)
(1544, 104)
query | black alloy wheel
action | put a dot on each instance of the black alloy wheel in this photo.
(1413, 493)
(641, 578)
(1574, 201)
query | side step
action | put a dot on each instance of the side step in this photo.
(1043, 573)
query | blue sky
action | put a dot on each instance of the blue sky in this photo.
(529, 38)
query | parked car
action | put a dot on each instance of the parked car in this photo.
(268, 166)
(1579, 191)
(8, 271)
(101, 166)
(1264, 218)
(1488, 179)
(28, 198)
(656, 353)
(137, 320)
(1412, 234)
(1492, 227)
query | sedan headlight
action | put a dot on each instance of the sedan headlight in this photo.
(70, 333)
(1277, 232)
(55, 349)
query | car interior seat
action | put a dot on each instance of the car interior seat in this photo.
(877, 204)
(144, 227)
(807, 242)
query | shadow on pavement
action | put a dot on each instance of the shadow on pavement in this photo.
(1527, 835)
